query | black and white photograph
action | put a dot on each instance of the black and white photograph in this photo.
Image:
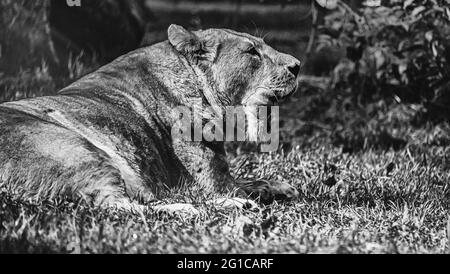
(226, 127)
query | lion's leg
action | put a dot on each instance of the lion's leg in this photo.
(208, 168)
(210, 171)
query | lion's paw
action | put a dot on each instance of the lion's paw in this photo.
(267, 191)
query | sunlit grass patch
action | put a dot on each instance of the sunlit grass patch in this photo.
(369, 209)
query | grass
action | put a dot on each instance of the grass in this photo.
(371, 179)
(366, 211)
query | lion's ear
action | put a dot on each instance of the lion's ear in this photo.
(190, 45)
(183, 40)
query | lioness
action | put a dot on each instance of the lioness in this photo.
(107, 136)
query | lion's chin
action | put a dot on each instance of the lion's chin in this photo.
(290, 90)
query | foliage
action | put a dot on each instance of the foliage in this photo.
(397, 49)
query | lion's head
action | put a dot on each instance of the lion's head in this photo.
(237, 69)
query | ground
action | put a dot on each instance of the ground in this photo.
(371, 180)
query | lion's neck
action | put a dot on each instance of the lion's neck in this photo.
(190, 83)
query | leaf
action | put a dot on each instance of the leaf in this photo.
(416, 12)
(328, 4)
(407, 3)
(402, 68)
(372, 3)
(434, 48)
(447, 13)
(429, 35)
(380, 59)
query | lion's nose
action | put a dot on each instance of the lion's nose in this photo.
(294, 69)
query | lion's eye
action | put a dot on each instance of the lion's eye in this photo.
(253, 51)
